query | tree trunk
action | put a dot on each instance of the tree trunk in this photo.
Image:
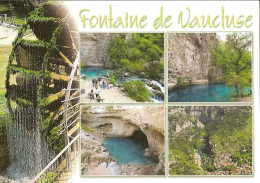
(237, 91)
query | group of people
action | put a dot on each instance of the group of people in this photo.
(97, 82)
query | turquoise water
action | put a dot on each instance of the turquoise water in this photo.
(126, 151)
(204, 93)
(94, 72)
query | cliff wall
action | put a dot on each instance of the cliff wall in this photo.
(92, 49)
(189, 58)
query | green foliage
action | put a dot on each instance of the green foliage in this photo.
(117, 49)
(137, 91)
(4, 7)
(210, 168)
(244, 155)
(112, 79)
(142, 53)
(234, 58)
(229, 132)
(180, 82)
(229, 167)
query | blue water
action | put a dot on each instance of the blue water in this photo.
(94, 72)
(204, 93)
(125, 151)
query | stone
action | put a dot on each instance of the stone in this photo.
(114, 168)
(126, 74)
(103, 165)
(156, 87)
(190, 57)
(149, 83)
(83, 76)
(142, 74)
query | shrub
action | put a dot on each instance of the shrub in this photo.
(112, 79)
(211, 168)
(180, 82)
(229, 167)
(137, 91)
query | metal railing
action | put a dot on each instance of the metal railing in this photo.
(62, 165)
(57, 170)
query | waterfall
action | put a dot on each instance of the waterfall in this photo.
(28, 149)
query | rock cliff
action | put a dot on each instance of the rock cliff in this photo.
(124, 121)
(92, 49)
(189, 58)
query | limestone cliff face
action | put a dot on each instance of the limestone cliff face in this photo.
(123, 122)
(189, 57)
(92, 49)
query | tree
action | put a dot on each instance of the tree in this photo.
(234, 57)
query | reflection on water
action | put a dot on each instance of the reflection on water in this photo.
(204, 93)
(126, 151)
(19, 10)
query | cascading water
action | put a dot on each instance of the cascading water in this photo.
(28, 151)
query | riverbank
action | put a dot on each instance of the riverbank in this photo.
(111, 95)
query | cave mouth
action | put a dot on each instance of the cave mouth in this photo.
(129, 150)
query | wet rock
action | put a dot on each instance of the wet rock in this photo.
(142, 74)
(156, 87)
(114, 168)
(159, 94)
(149, 83)
(126, 74)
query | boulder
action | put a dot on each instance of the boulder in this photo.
(149, 83)
(156, 87)
(114, 168)
(103, 165)
(126, 74)
(83, 76)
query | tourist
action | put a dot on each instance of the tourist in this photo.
(96, 83)
(98, 99)
(104, 84)
(97, 92)
(91, 95)
(93, 82)
(107, 84)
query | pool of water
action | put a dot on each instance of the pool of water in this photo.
(204, 93)
(126, 151)
(94, 72)
(19, 10)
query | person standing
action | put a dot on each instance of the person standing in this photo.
(97, 92)
(107, 84)
(93, 82)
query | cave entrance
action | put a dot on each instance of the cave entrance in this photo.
(139, 138)
(129, 150)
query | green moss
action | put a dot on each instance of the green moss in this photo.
(23, 102)
(229, 167)
(14, 69)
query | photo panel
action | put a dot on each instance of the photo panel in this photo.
(122, 67)
(210, 67)
(122, 141)
(210, 140)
